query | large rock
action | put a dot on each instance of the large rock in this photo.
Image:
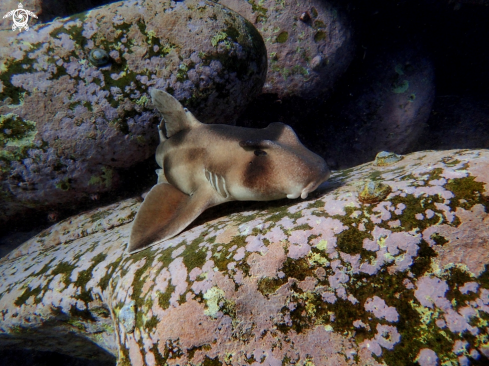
(386, 108)
(67, 126)
(329, 281)
(309, 44)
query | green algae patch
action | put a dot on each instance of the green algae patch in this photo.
(438, 239)
(211, 361)
(400, 87)
(84, 314)
(279, 212)
(65, 269)
(415, 205)
(85, 276)
(15, 67)
(282, 37)
(164, 297)
(423, 260)
(310, 310)
(103, 179)
(21, 300)
(297, 268)
(484, 277)
(215, 300)
(316, 204)
(350, 241)
(319, 36)
(16, 137)
(222, 258)
(99, 216)
(139, 279)
(44, 269)
(15, 131)
(468, 190)
(268, 285)
(194, 255)
(104, 281)
(151, 324)
(258, 8)
(219, 37)
(456, 277)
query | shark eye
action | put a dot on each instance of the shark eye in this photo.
(260, 152)
(256, 144)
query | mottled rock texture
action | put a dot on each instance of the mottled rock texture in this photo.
(309, 44)
(328, 281)
(67, 127)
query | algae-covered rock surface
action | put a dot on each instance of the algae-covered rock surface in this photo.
(309, 44)
(332, 280)
(74, 102)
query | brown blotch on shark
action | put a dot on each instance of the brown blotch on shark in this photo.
(206, 165)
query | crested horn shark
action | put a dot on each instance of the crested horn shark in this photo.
(205, 165)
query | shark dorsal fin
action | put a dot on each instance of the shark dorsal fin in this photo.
(175, 116)
(283, 134)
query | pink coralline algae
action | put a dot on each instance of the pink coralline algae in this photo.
(427, 357)
(431, 291)
(378, 306)
(458, 323)
(387, 336)
(469, 287)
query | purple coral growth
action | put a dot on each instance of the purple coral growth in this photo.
(469, 287)
(373, 346)
(431, 291)
(459, 347)
(380, 309)
(329, 297)
(457, 323)
(427, 357)
(387, 336)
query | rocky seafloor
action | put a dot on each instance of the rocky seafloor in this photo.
(386, 264)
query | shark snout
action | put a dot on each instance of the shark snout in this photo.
(322, 177)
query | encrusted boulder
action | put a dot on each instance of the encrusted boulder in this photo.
(328, 281)
(309, 44)
(74, 102)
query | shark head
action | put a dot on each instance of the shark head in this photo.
(282, 166)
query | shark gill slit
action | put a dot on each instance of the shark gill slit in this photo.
(217, 182)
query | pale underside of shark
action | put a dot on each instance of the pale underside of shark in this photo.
(206, 165)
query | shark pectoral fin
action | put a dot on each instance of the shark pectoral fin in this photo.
(165, 212)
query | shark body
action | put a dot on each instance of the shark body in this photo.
(206, 165)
